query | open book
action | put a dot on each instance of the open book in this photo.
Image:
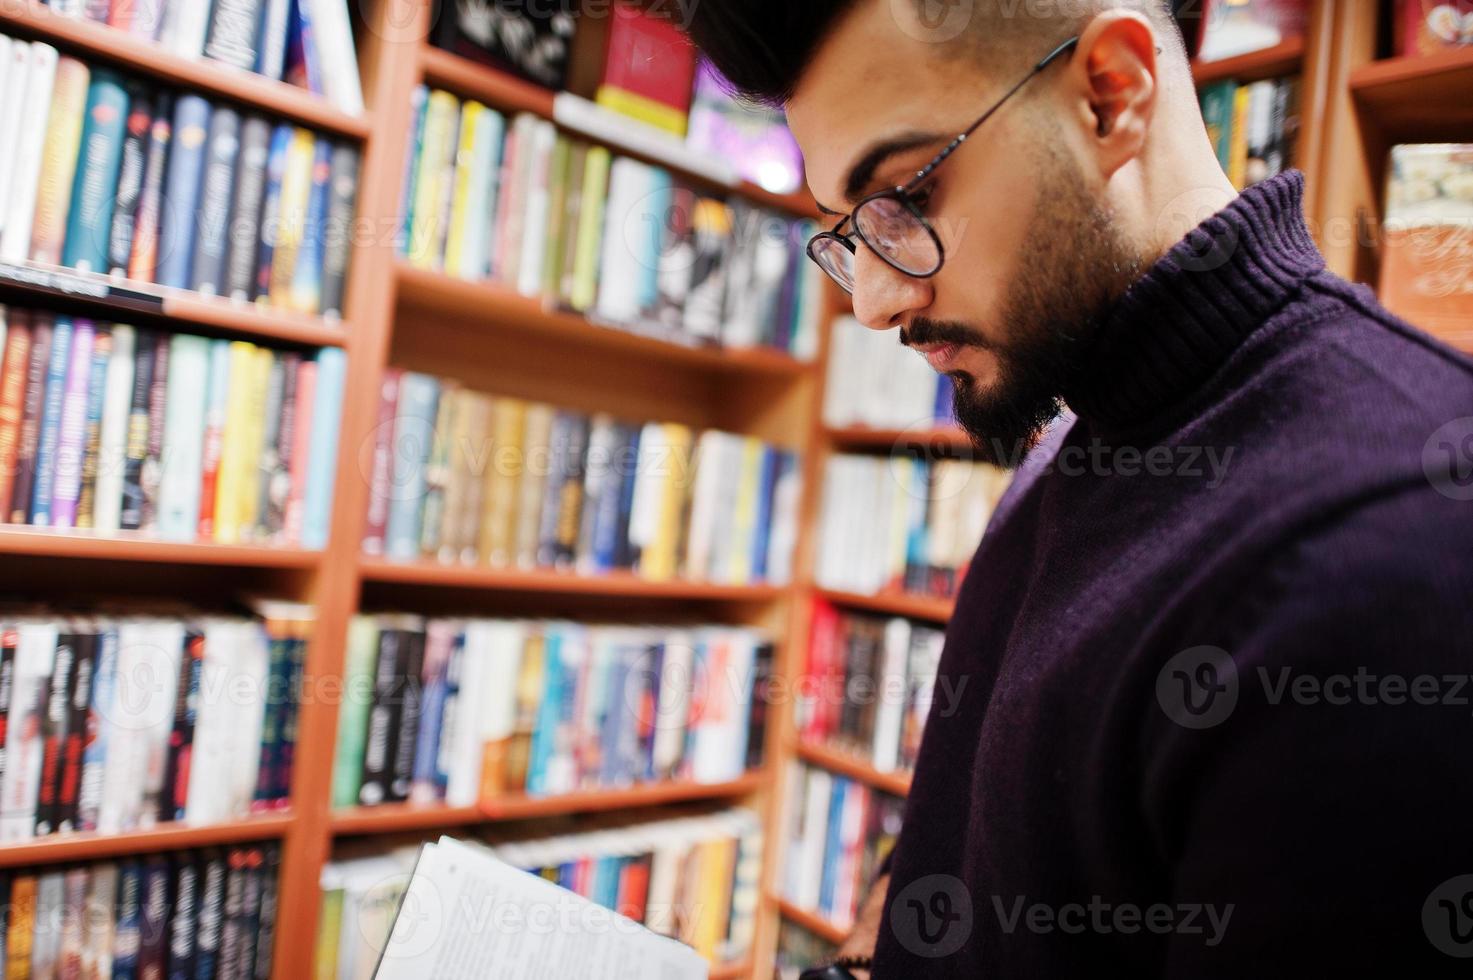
(468, 914)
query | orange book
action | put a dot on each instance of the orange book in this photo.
(59, 160)
(22, 929)
(16, 358)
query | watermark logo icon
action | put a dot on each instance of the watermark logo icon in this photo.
(932, 916)
(1198, 688)
(1447, 917)
(1447, 459)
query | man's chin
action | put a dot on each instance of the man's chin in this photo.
(1002, 422)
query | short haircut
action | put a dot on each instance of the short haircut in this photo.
(764, 46)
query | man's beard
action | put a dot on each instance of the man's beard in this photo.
(1072, 267)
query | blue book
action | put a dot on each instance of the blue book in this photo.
(127, 936)
(616, 765)
(431, 721)
(414, 433)
(271, 38)
(327, 416)
(544, 732)
(306, 293)
(833, 848)
(419, 100)
(50, 437)
(96, 396)
(94, 757)
(623, 552)
(281, 140)
(655, 205)
(104, 129)
(605, 535)
(182, 183)
(761, 524)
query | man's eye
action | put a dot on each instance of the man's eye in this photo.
(921, 196)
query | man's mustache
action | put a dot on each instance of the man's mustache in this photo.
(923, 331)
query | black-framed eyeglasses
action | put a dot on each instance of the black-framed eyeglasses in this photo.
(890, 222)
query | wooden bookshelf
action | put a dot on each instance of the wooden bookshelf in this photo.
(942, 439)
(97, 42)
(1282, 59)
(387, 818)
(87, 846)
(812, 921)
(928, 608)
(491, 308)
(1415, 99)
(126, 546)
(618, 584)
(854, 766)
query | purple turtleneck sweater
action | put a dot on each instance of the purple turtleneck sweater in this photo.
(1204, 708)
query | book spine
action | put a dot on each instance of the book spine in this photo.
(30, 133)
(181, 457)
(185, 28)
(98, 725)
(232, 34)
(96, 180)
(235, 462)
(127, 937)
(143, 256)
(273, 728)
(102, 355)
(321, 458)
(270, 60)
(276, 157)
(213, 222)
(362, 647)
(232, 937)
(291, 713)
(72, 428)
(406, 730)
(338, 232)
(380, 488)
(590, 228)
(50, 422)
(210, 921)
(301, 463)
(74, 744)
(158, 394)
(296, 192)
(132, 163)
(182, 920)
(53, 733)
(413, 439)
(408, 189)
(264, 468)
(59, 160)
(153, 919)
(32, 408)
(305, 292)
(277, 488)
(428, 234)
(382, 716)
(334, 36)
(218, 389)
(130, 516)
(13, 371)
(245, 208)
(181, 736)
(182, 187)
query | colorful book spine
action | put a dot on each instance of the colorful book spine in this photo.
(183, 444)
(213, 221)
(305, 291)
(50, 422)
(103, 134)
(59, 160)
(132, 163)
(245, 208)
(102, 350)
(338, 231)
(13, 372)
(136, 445)
(181, 191)
(276, 160)
(321, 457)
(291, 231)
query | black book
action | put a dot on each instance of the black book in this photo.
(232, 936)
(757, 712)
(9, 639)
(338, 229)
(136, 451)
(530, 40)
(250, 914)
(53, 732)
(153, 918)
(569, 501)
(185, 919)
(74, 742)
(213, 872)
(245, 209)
(152, 471)
(143, 250)
(410, 696)
(383, 718)
(32, 408)
(134, 161)
(266, 473)
(127, 937)
(266, 928)
(181, 737)
(222, 146)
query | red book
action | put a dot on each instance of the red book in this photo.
(302, 425)
(1426, 27)
(822, 641)
(379, 465)
(649, 70)
(14, 364)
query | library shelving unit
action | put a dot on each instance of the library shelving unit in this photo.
(1355, 104)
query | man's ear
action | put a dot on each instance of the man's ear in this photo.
(1115, 66)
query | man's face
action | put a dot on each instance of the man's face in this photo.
(1031, 256)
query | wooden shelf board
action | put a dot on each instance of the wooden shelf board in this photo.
(507, 93)
(95, 41)
(88, 846)
(497, 309)
(811, 921)
(395, 817)
(923, 607)
(861, 438)
(563, 583)
(730, 971)
(854, 766)
(1285, 58)
(18, 539)
(102, 297)
(1418, 99)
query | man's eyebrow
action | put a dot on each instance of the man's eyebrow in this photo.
(863, 172)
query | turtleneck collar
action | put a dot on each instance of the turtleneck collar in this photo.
(1176, 325)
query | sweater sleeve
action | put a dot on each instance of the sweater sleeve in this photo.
(1313, 826)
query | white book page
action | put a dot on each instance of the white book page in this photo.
(467, 914)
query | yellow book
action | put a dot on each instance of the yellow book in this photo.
(658, 561)
(435, 523)
(249, 501)
(643, 108)
(744, 517)
(471, 115)
(233, 480)
(59, 160)
(504, 761)
(22, 929)
(472, 458)
(1238, 148)
(291, 216)
(504, 464)
(718, 862)
(432, 181)
(329, 934)
(590, 227)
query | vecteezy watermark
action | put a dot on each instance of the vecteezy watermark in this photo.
(934, 916)
(1098, 458)
(1200, 687)
(1447, 459)
(1447, 917)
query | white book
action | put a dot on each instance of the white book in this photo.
(101, 922)
(535, 221)
(113, 440)
(790, 814)
(810, 856)
(35, 654)
(704, 498)
(731, 449)
(182, 458)
(851, 833)
(890, 706)
(29, 141)
(185, 28)
(207, 801)
(162, 655)
(618, 266)
(334, 36)
(649, 485)
(272, 44)
(122, 780)
(672, 709)
(600, 476)
(438, 932)
(459, 730)
(494, 700)
(15, 69)
(783, 535)
(251, 664)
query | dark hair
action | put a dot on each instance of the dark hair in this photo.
(762, 46)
